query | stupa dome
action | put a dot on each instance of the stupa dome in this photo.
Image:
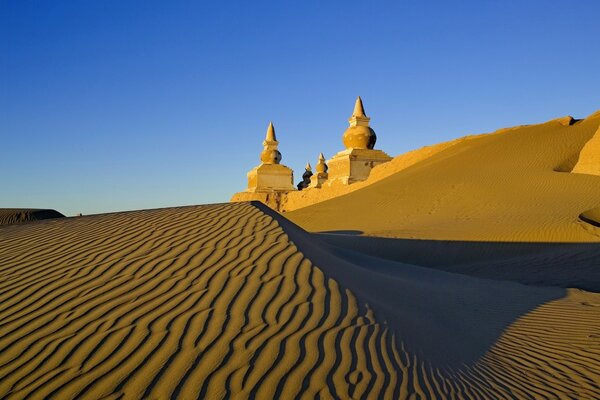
(270, 156)
(359, 134)
(359, 137)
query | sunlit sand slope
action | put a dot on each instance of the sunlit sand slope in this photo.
(513, 185)
(196, 302)
(10, 216)
(233, 300)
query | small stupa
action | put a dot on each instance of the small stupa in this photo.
(317, 180)
(305, 182)
(270, 175)
(354, 164)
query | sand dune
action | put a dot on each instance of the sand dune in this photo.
(196, 302)
(10, 216)
(501, 187)
(233, 300)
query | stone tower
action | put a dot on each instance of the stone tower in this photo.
(270, 175)
(354, 164)
(305, 182)
(317, 180)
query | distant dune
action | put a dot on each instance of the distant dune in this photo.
(233, 300)
(510, 186)
(10, 216)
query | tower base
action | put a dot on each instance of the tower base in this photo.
(270, 178)
(354, 165)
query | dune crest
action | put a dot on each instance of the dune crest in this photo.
(500, 187)
(10, 216)
(201, 302)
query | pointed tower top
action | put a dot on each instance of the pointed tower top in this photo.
(308, 167)
(359, 135)
(359, 109)
(270, 133)
(321, 167)
(270, 154)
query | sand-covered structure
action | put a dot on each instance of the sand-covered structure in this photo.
(268, 181)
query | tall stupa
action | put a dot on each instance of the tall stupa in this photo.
(270, 175)
(354, 164)
(268, 181)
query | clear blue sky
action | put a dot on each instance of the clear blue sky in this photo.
(118, 105)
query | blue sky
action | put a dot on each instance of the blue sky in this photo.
(119, 105)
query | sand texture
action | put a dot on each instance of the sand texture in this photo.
(235, 301)
(514, 185)
(589, 158)
(10, 216)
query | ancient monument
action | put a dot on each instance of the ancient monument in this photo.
(272, 183)
(270, 179)
(317, 180)
(305, 182)
(270, 175)
(355, 162)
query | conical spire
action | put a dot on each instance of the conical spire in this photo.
(359, 109)
(359, 135)
(308, 167)
(270, 154)
(270, 133)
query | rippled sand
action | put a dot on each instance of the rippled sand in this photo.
(233, 300)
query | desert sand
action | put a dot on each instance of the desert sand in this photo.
(465, 271)
(9, 216)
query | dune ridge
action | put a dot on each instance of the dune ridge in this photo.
(503, 187)
(196, 302)
(10, 216)
(233, 300)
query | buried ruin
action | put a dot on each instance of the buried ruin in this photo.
(272, 183)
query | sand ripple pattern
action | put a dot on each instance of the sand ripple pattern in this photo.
(216, 302)
(191, 302)
(551, 353)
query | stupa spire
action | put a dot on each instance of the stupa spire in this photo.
(321, 175)
(321, 163)
(271, 133)
(359, 109)
(359, 135)
(270, 154)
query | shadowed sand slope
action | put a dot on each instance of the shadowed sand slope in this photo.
(233, 300)
(567, 265)
(499, 187)
(10, 216)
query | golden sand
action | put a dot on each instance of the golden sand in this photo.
(233, 300)
(509, 186)
(9, 216)
(448, 276)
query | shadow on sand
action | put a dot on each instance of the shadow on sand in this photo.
(567, 265)
(446, 319)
